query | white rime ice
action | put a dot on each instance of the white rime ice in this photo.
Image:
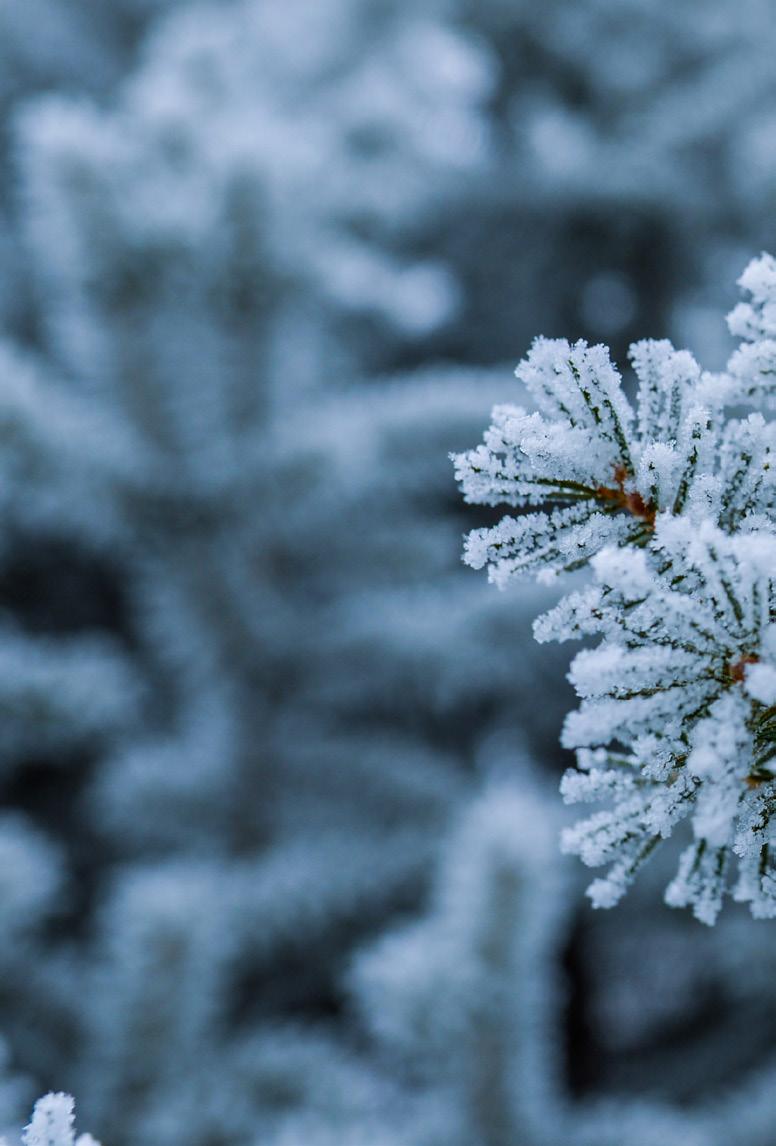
(671, 503)
(52, 1124)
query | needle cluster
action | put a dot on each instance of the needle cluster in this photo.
(670, 501)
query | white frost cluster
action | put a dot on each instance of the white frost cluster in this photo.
(672, 504)
(52, 1124)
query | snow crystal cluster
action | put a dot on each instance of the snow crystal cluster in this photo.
(671, 502)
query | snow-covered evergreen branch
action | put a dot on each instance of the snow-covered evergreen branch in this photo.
(671, 502)
(52, 1124)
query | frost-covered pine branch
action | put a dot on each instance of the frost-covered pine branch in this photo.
(672, 503)
(52, 1124)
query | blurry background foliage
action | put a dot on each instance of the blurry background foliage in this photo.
(278, 855)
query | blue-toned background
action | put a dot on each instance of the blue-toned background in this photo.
(278, 776)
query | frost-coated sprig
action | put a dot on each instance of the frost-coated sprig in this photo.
(672, 503)
(52, 1124)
